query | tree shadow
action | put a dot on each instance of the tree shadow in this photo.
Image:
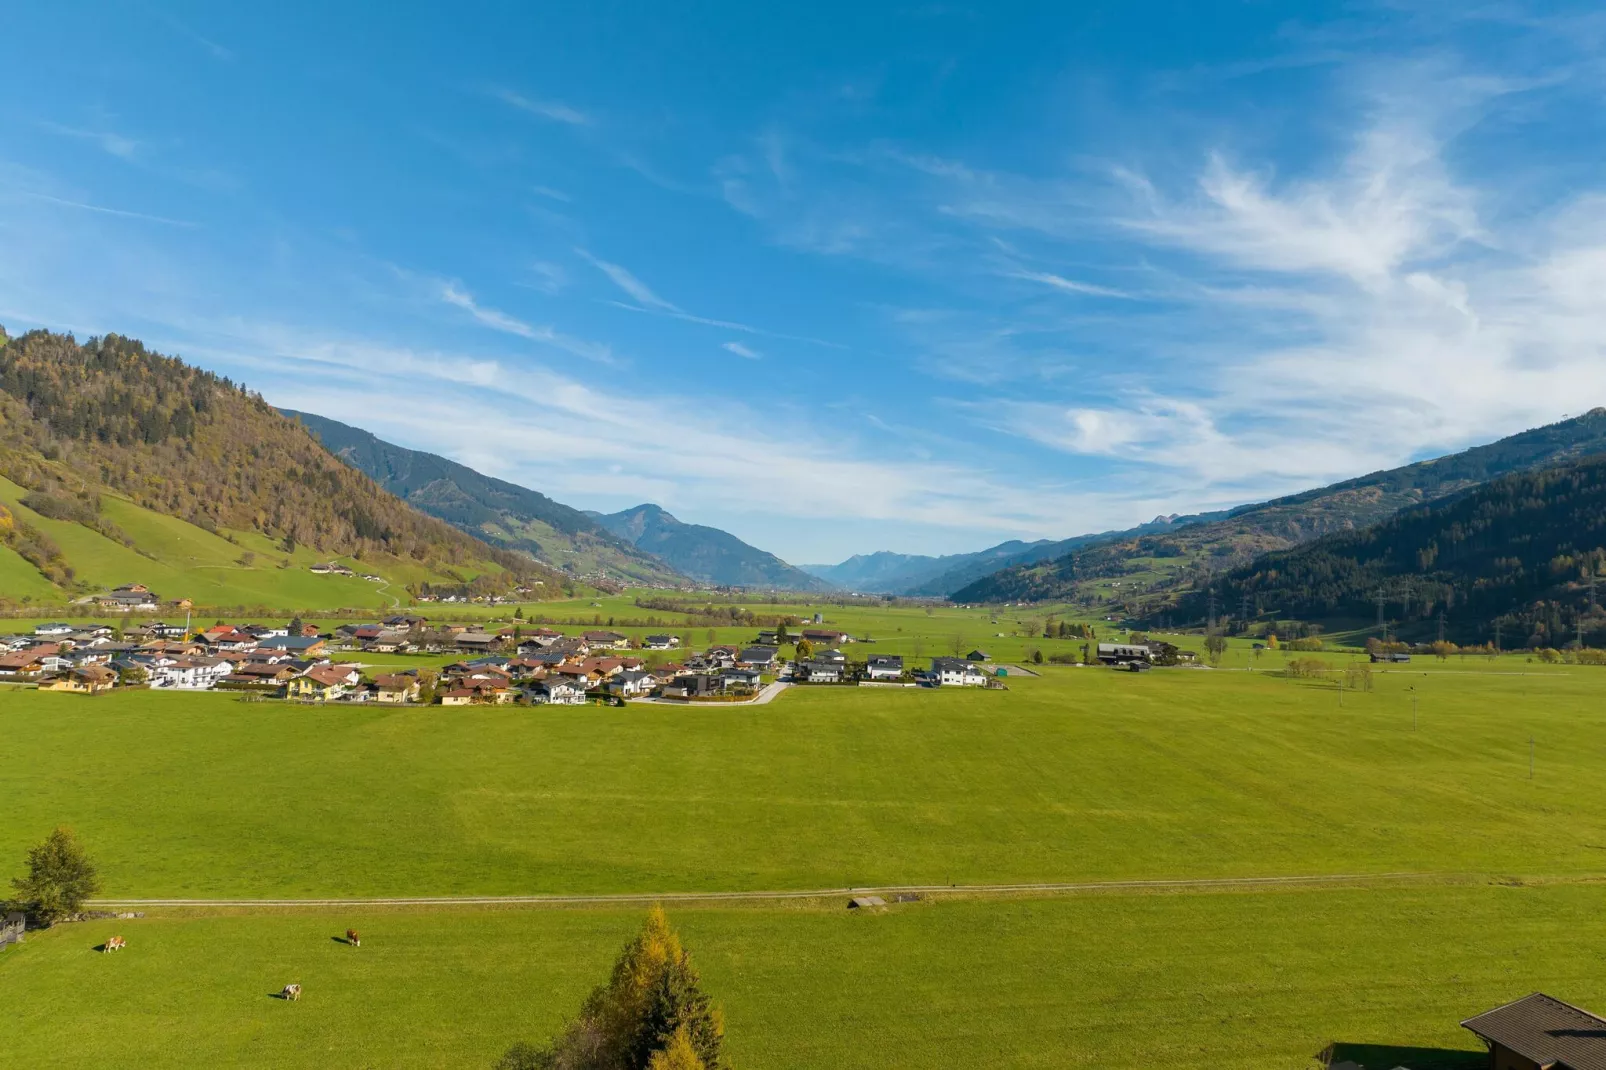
(1389, 1056)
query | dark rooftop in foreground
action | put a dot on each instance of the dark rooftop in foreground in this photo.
(1546, 1032)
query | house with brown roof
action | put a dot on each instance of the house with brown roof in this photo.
(607, 640)
(22, 665)
(395, 687)
(1540, 1032)
(88, 680)
(323, 682)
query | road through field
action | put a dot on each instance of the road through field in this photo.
(970, 890)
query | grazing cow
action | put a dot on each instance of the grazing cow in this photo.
(114, 943)
(291, 992)
(352, 938)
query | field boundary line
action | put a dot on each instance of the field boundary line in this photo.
(1025, 888)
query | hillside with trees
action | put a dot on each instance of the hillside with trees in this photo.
(501, 513)
(1196, 548)
(100, 436)
(1524, 551)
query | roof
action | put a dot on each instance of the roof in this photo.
(476, 637)
(1547, 1031)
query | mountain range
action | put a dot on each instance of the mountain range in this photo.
(1193, 546)
(1524, 550)
(641, 545)
(703, 553)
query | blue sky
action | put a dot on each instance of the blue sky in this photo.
(837, 277)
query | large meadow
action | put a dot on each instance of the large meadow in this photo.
(1452, 873)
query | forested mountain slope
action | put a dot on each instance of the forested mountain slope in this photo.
(502, 513)
(1195, 550)
(1523, 549)
(706, 554)
(106, 436)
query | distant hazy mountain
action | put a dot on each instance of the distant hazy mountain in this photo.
(885, 572)
(501, 513)
(1237, 537)
(706, 554)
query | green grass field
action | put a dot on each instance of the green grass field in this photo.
(1077, 775)
(1253, 981)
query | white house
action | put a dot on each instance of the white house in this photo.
(956, 672)
(558, 692)
(188, 674)
(53, 629)
(818, 672)
(884, 667)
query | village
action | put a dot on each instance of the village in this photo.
(512, 664)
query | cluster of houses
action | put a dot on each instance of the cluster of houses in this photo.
(510, 664)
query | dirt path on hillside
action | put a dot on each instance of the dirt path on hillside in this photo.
(886, 891)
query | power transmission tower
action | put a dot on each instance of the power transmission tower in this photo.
(1382, 633)
(1441, 625)
(1210, 622)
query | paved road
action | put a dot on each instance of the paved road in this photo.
(812, 893)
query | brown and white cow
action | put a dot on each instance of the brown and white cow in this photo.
(114, 943)
(291, 992)
(352, 938)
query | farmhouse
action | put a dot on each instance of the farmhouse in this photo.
(395, 687)
(957, 672)
(884, 667)
(1122, 653)
(22, 665)
(742, 678)
(323, 682)
(1540, 1032)
(88, 680)
(606, 640)
(818, 672)
(826, 637)
(309, 646)
(128, 598)
(478, 641)
(558, 692)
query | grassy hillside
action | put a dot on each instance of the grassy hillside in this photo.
(1196, 548)
(495, 510)
(120, 465)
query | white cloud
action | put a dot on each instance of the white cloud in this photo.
(453, 294)
(1059, 282)
(103, 210)
(546, 109)
(742, 351)
(622, 278)
(110, 142)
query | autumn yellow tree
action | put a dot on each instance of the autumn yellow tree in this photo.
(651, 1015)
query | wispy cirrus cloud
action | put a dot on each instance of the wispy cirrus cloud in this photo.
(109, 141)
(556, 111)
(1071, 286)
(741, 350)
(455, 295)
(622, 278)
(101, 209)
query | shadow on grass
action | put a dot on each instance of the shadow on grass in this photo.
(1389, 1056)
(340, 940)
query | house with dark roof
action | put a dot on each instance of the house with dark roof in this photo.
(957, 672)
(660, 642)
(1540, 1032)
(884, 667)
(756, 657)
